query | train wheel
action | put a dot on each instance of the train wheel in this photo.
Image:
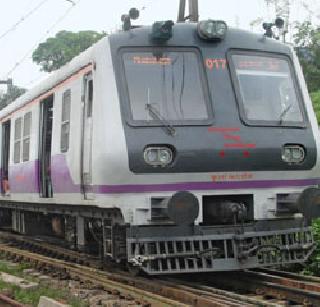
(134, 270)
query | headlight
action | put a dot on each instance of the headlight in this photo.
(293, 153)
(158, 156)
(212, 29)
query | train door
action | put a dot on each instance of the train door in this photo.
(87, 138)
(5, 150)
(46, 112)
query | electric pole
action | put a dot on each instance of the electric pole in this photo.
(282, 8)
(193, 11)
(8, 82)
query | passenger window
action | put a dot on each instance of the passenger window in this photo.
(17, 139)
(26, 136)
(65, 121)
(90, 98)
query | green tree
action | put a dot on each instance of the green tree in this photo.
(307, 42)
(12, 94)
(59, 50)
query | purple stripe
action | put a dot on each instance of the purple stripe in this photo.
(61, 177)
(182, 186)
(23, 178)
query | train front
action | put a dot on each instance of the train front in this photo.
(221, 148)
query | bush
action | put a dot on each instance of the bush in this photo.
(312, 266)
(315, 96)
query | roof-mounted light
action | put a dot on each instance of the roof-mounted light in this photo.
(212, 29)
(162, 30)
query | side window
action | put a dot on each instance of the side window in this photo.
(26, 136)
(65, 121)
(17, 139)
(90, 98)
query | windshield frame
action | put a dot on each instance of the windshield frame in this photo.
(157, 123)
(239, 98)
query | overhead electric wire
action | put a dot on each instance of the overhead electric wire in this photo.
(27, 54)
(23, 18)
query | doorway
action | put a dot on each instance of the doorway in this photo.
(5, 150)
(46, 116)
(86, 152)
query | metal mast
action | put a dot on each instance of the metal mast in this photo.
(282, 8)
(193, 11)
(8, 82)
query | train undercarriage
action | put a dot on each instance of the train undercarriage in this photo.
(164, 249)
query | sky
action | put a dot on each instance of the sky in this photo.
(102, 15)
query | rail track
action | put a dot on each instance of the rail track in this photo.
(249, 288)
(6, 301)
(280, 287)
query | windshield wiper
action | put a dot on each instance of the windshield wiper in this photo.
(156, 115)
(284, 112)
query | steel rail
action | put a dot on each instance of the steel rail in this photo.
(264, 285)
(142, 289)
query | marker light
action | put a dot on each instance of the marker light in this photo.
(212, 29)
(293, 154)
(158, 156)
(162, 30)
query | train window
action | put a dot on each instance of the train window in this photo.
(17, 139)
(167, 84)
(65, 121)
(90, 98)
(266, 88)
(26, 136)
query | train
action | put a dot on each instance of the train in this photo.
(173, 148)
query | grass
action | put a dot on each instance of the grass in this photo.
(16, 270)
(31, 297)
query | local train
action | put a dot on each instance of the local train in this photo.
(175, 148)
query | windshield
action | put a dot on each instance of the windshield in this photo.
(267, 89)
(168, 82)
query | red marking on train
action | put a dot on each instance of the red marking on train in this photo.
(236, 138)
(232, 177)
(250, 64)
(269, 65)
(216, 64)
(222, 153)
(223, 129)
(151, 60)
(246, 154)
(239, 145)
(20, 178)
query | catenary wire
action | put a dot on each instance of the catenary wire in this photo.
(29, 52)
(22, 19)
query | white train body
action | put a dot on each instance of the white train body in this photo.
(92, 172)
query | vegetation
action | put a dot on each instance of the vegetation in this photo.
(59, 50)
(31, 297)
(316, 103)
(313, 265)
(307, 42)
(12, 94)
